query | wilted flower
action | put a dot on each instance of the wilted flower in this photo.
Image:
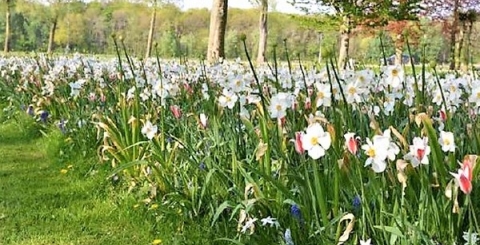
(250, 224)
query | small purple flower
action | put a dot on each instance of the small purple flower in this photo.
(295, 211)
(297, 214)
(44, 116)
(357, 202)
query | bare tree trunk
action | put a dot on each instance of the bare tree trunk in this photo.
(459, 45)
(51, 36)
(262, 41)
(399, 50)
(344, 44)
(151, 31)
(218, 24)
(6, 48)
(453, 34)
(469, 43)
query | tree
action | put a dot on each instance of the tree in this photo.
(8, 13)
(360, 13)
(451, 11)
(151, 30)
(263, 30)
(218, 24)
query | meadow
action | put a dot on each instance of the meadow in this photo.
(168, 152)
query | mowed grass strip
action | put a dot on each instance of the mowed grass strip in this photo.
(45, 202)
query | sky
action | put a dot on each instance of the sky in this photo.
(282, 5)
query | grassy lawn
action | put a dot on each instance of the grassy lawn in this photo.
(44, 202)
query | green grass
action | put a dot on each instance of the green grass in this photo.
(41, 205)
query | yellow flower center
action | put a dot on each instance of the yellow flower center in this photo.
(320, 95)
(314, 141)
(395, 72)
(371, 152)
(478, 95)
(361, 79)
(352, 90)
(238, 83)
(278, 107)
(446, 141)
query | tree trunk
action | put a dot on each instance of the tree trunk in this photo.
(51, 36)
(453, 34)
(399, 50)
(344, 44)
(218, 24)
(6, 48)
(262, 41)
(150, 32)
(459, 45)
(469, 43)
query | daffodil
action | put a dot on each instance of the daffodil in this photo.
(149, 130)
(227, 99)
(316, 141)
(377, 152)
(447, 142)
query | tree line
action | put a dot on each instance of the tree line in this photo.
(164, 28)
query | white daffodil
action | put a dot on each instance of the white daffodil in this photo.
(228, 99)
(394, 76)
(377, 152)
(324, 96)
(447, 142)
(316, 141)
(475, 97)
(278, 106)
(393, 148)
(353, 93)
(149, 130)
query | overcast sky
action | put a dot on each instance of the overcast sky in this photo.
(282, 5)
